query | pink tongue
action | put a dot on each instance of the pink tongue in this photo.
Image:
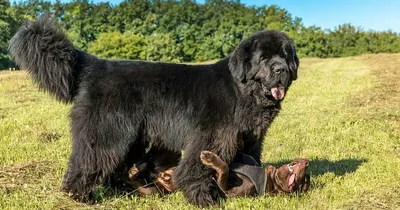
(291, 179)
(278, 92)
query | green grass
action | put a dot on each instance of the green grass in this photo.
(342, 114)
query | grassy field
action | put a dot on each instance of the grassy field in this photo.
(342, 114)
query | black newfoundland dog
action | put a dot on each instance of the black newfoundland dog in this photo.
(120, 107)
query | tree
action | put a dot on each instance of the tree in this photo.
(183, 30)
(119, 46)
(5, 34)
(163, 47)
(312, 42)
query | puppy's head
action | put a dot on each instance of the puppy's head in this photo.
(291, 177)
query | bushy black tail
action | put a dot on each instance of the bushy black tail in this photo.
(42, 48)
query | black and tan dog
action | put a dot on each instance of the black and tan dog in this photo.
(243, 177)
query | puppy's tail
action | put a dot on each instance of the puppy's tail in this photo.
(43, 49)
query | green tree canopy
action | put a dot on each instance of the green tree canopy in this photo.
(119, 46)
(184, 30)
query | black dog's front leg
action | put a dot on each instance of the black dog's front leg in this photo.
(196, 181)
(253, 147)
(193, 178)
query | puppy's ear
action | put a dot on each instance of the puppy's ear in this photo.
(305, 185)
(269, 172)
(240, 60)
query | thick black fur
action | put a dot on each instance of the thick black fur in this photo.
(156, 161)
(121, 106)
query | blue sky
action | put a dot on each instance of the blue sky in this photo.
(369, 14)
(377, 15)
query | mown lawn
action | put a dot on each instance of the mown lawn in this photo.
(343, 114)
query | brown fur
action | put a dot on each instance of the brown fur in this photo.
(233, 184)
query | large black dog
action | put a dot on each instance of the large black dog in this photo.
(121, 106)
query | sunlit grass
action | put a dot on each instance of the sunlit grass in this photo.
(343, 114)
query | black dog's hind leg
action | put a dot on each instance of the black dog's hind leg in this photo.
(91, 165)
(84, 170)
(99, 147)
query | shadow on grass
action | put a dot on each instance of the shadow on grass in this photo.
(103, 193)
(321, 166)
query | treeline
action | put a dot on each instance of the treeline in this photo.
(183, 31)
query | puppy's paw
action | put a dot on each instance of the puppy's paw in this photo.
(133, 172)
(207, 158)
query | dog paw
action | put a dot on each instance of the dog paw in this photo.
(133, 172)
(207, 158)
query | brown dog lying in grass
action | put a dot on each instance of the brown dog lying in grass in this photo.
(243, 177)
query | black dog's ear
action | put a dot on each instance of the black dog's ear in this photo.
(292, 58)
(297, 61)
(240, 60)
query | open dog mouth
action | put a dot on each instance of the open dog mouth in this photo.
(278, 91)
(291, 177)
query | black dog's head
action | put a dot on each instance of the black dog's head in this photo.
(265, 64)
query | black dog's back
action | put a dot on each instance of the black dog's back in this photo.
(42, 48)
(175, 101)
